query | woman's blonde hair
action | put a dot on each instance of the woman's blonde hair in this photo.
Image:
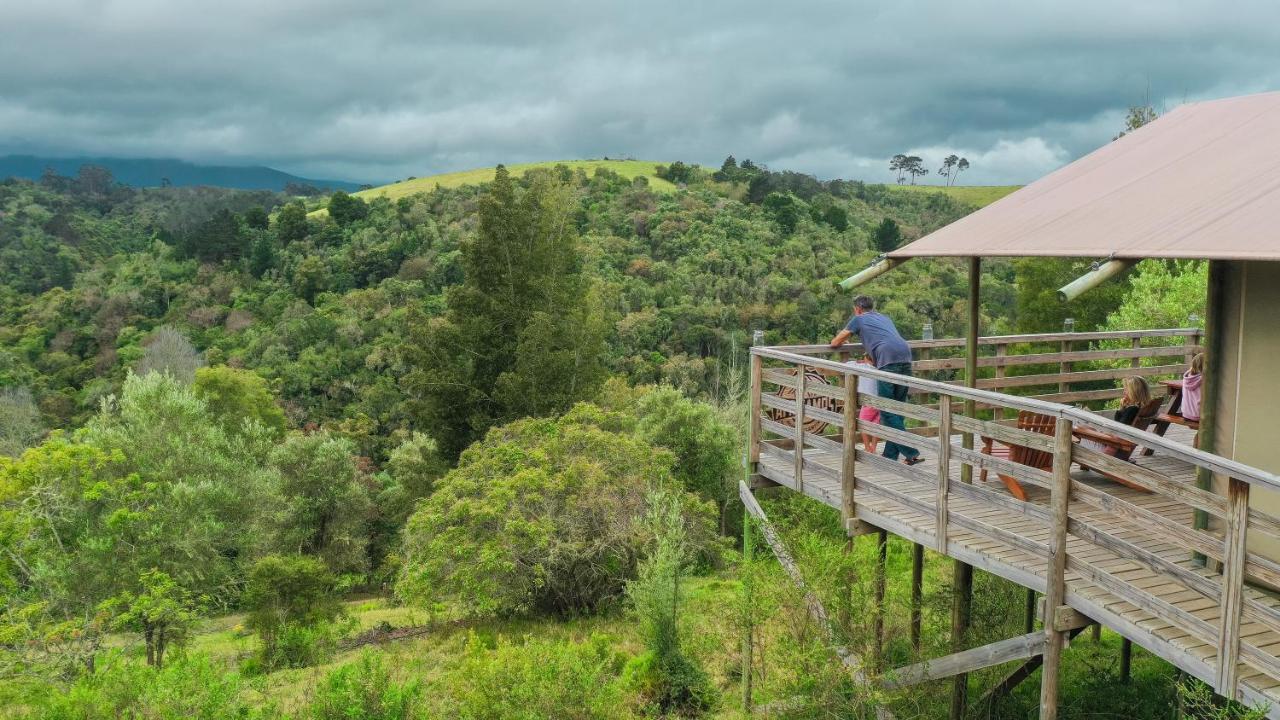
(1197, 364)
(1137, 390)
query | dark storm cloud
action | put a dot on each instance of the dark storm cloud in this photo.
(381, 90)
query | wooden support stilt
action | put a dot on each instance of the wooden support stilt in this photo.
(917, 593)
(1096, 631)
(882, 558)
(1055, 590)
(1029, 620)
(1126, 659)
(962, 586)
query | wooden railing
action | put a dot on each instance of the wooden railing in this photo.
(1043, 366)
(804, 419)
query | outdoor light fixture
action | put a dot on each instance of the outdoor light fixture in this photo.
(757, 337)
(1193, 320)
(926, 333)
(1069, 325)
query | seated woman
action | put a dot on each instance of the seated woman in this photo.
(1137, 393)
(1136, 399)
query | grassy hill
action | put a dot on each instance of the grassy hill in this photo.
(976, 195)
(625, 168)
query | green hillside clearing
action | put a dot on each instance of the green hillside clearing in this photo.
(976, 195)
(627, 168)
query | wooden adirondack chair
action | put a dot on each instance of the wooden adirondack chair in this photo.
(1039, 459)
(1118, 447)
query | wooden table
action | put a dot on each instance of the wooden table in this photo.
(1175, 392)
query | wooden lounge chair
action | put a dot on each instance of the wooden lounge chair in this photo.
(1039, 459)
(1122, 448)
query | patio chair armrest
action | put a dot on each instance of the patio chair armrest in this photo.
(1107, 439)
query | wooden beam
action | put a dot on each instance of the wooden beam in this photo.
(756, 372)
(1233, 557)
(801, 376)
(917, 593)
(1016, 648)
(882, 557)
(848, 453)
(962, 592)
(944, 471)
(1055, 591)
(1126, 660)
(1012, 680)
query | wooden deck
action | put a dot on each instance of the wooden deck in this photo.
(1128, 552)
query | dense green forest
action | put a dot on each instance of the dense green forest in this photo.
(467, 453)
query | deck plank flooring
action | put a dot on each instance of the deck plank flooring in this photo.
(996, 552)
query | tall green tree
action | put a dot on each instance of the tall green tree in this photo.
(887, 236)
(523, 334)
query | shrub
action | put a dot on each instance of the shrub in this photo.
(364, 690)
(551, 680)
(290, 603)
(664, 675)
(540, 515)
(191, 688)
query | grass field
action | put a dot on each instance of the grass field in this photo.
(626, 168)
(976, 195)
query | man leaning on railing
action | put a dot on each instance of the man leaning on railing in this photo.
(890, 352)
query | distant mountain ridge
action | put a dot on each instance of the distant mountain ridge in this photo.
(152, 172)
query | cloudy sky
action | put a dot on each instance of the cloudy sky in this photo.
(378, 90)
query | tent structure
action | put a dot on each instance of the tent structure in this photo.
(1200, 182)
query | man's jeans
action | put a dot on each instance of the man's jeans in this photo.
(894, 420)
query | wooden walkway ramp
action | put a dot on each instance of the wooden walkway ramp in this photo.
(1120, 554)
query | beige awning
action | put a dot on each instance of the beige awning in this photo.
(1203, 181)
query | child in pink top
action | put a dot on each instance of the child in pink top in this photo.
(868, 386)
(1192, 387)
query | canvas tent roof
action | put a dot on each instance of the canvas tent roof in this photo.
(1203, 181)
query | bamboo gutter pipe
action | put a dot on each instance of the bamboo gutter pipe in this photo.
(1100, 273)
(878, 267)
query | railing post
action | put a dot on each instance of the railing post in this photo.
(1055, 590)
(799, 443)
(1191, 342)
(754, 448)
(849, 452)
(1064, 367)
(1137, 345)
(944, 471)
(1002, 352)
(1233, 560)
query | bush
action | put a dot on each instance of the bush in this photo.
(364, 690)
(551, 680)
(667, 678)
(290, 603)
(191, 688)
(540, 515)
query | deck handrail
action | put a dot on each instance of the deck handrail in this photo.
(1195, 456)
(1012, 339)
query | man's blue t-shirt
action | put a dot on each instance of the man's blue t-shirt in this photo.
(880, 339)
